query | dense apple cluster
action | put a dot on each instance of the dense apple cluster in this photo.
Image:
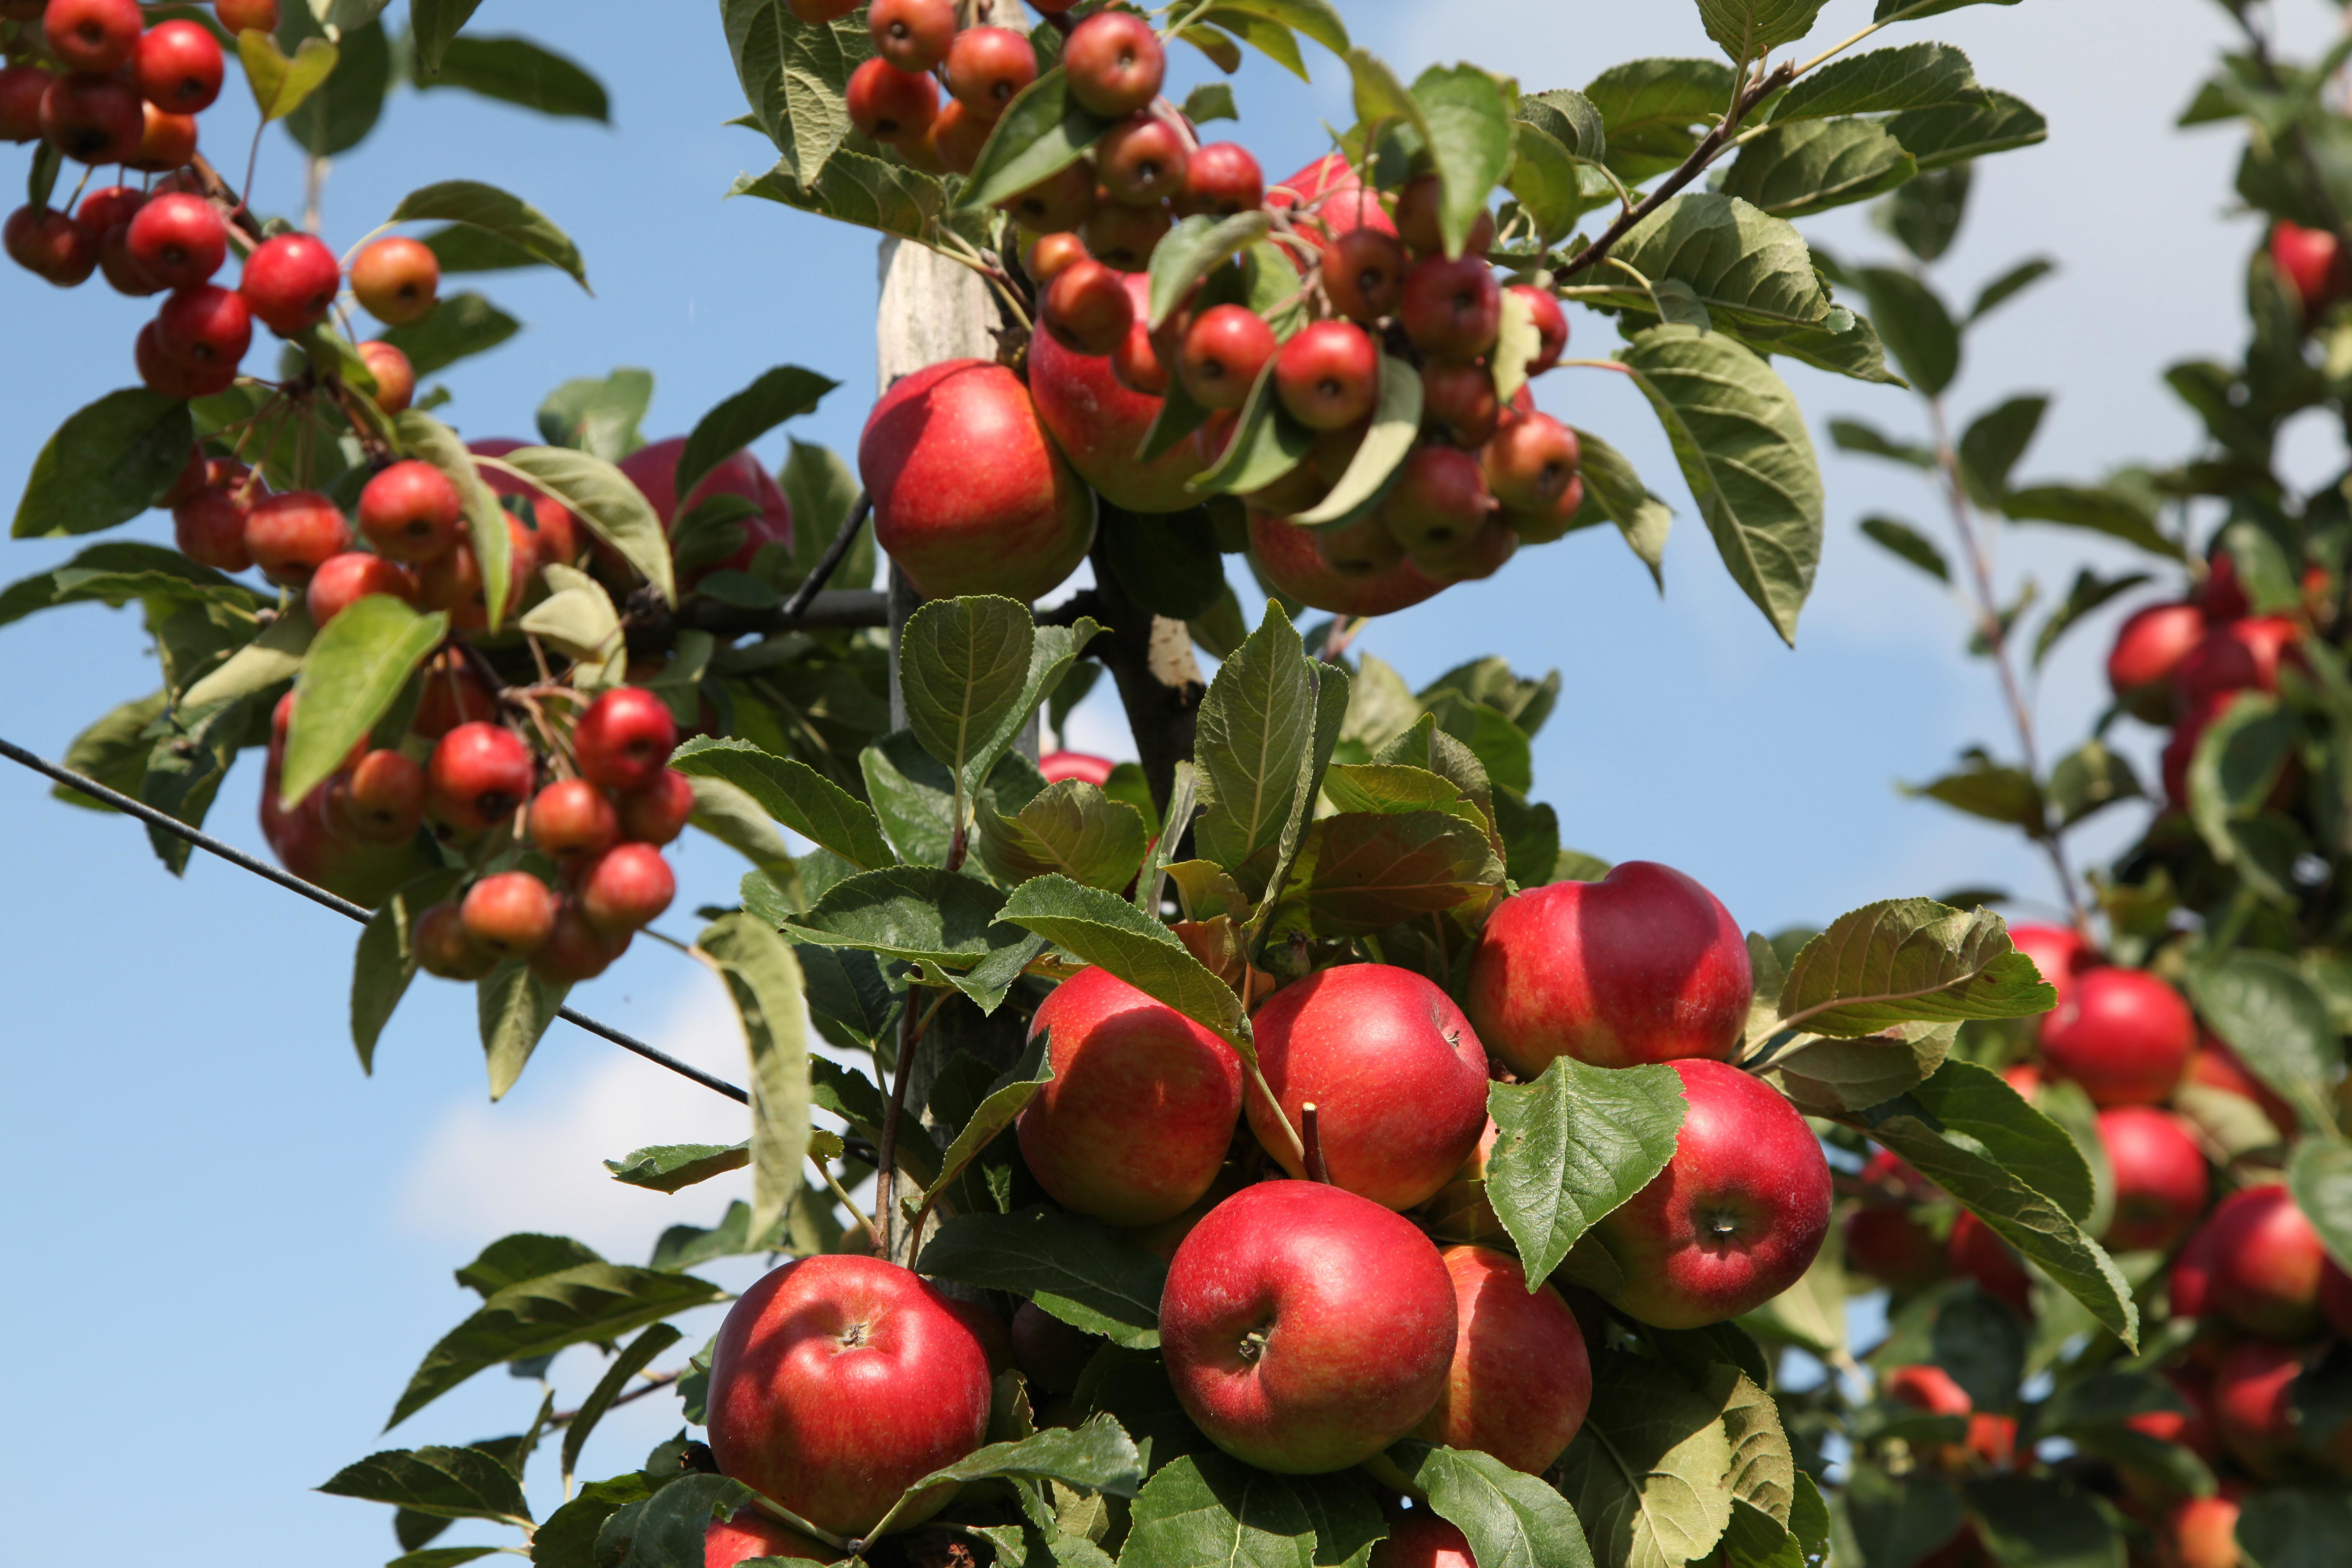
(1317, 1307)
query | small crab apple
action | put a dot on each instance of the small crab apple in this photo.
(1135, 364)
(21, 90)
(1227, 347)
(573, 816)
(245, 16)
(658, 812)
(162, 373)
(179, 67)
(166, 141)
(913, 35)
(411, 511)
(1059, 202)
(1289, 557)
(93, 35)
(1087, 307)
(1114, 63)
(479, 774)
(453, 695)
(2313, 262)
(397, 279)
(1551, 325)
(1364, 272)
(510, 914)
(889, 105)
(1417, 219)
(1220, 179)
(1440, 501)
(395, 380)
(1452, 309)
(205, 328)
(1530, 462)
(1458, 402)
(209, 528)
(52, 245)
(1141, 160)
(291, 536)
(987, 68)
(626, 888)
(109, 207)
(178, 240)
(1125, 236)
(1329, 375)
(1364, 548)
(1481, 555)
(384, 798)
(343, 580)
(575, 950)
(625, 738)
(93, 119)
(444, 949)
(289, 282)
(956, 135)
(1049, 254)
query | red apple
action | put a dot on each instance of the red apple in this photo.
(1885, 1243)
(2266, 1263)
(968, 496)
(2149, 647)
(1927, 1388)
(988, 67)
(1331, 190)
(1305, 1329)
(1099, 424)
(479, 773)
(1398, 1078)
(2124, 1035)
(653, 469)
(837, 1382)
(2160, 1180)
(1115, 63)
(1291, 561)
(1737, 1215)
(1643, 965)
(1521, 1380)
(1221, 178)
(2058, 951)
(2240, 656)
(625, 738)
(1422, 1540)
(1136, 1118)
(2313, 263)
(2202, 1532)
(1058, 765)
(749, 1534)
(2188, 1283)
(343, 580)
(1051, 1353)
(1977, 1252)
(2254, 1404)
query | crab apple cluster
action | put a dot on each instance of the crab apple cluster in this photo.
(919, 45)
(1318, 1307)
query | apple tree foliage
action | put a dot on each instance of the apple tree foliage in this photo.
(1326, 808)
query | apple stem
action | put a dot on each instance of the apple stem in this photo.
(1310, 1138)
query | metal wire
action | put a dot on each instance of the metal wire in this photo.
(166, 823)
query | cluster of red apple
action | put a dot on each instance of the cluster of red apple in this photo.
(2252, 1273)
(173, 234)
(1310, 1318)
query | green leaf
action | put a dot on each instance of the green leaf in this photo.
(1396, 423)
(674, 1167)
(1205, 1510)
(1267, 444)
(1901, 1519)
(2265, 1010)
(1746, 267)
(1747, 30)
(598, 414)
(1072, 829)
(639, 1354)
(858, 189)
(105, 465)
(1196, 246)
(512, 1259)
(514, 1008)
(1902, 540)
(433, 22)
(1568, 118)
(962, 664)
(1652, 109)
(386, 961)
(488, 208)
(765, 982)
(1853, 435)
(1992, 444)
(2107, 511)
(1209, 100)
(593, 1301)
(667, 1530)
(1742, 445)
(485, 521)
(1914, 324)
(280, 85)
(1905, 960)
(1362, 872)
(1811, 166)
(1826, 1077)
(795, 75)
(2293, 1527)
(2045, 1523)
(1614, 492)
(793, 793)
(1254, 726)
(462, 249)
(1883, 81)
(1648, 1472)
(518, 71)
(339, 115)
(2009, 285)
(1080, 1271)
(1466, 118)
(1098, 1457)
(1099, 927)
(1508, 1516)
(441, 1483)
(2089, 593)
(1548, 181)
(1957, 132)
(604, 499)
(919, 913)
(2089, 778)
(2320, 1175)
(461, 325)
(1042, 131)
(353, 673)
(1572, 1146)
(784, 392)
(1317, 19)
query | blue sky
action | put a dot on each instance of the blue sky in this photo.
(233, 1249)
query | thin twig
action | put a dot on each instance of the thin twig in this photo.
(840, 1195)
(911, 1035)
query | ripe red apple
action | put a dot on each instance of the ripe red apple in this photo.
(889, 105)
(289, 282)
(573, 816)
(913, 35)
(1289, 557)
(205, 331)
(1422, 1540)
(1458, 405)
(52, 245)
(1643, 965)
(1114, 63)
(2266, 1262)
(1087, 307)
(1327, 375)
(2058, 951)
(837, 1382)
(653, 469)
(1364, 272)
(177, 240)
(2149, 647)
(1059, 202)
(1977, 1252)
(93, 35)
(625, 888)
(1397, 1075)
(396, 379)
(1551, 325)
(1417, 219)
(1225, 350)
(2222, 596)
(658, 812)
(2160, 1180)
(94, 120)
(1360, 550)
(510, 914)
(1735, 1217)
(625, 738)
(382, 798)
(2192, 1428)
(1521, 1380)
(1533, 468)
(397, 279)
(968, 496)
(1142, 1106)
(1141, 160)
(1049, 254)
(244, 16)
(1124, 237)
(2239, 656)
(1438, 505)
(22, 88)
(575, 949)
(343, 580)
(291, 536)
(209, 528)
(479, 773)
(752, 1535)
(179, 67)
(166, 141)
(987, 68)
(2202, 1532)
(2216, 1065)
(2188, 1283)
(2123, 1034)
(444, 949)
(2313, 263)
(1220, 179)
(2254, 1404)
(1305, 1329)
(1099, 424)
(411, 511)
(1451, 309)
(1885, 1243)
(1335, 194)
(1927, 1388)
